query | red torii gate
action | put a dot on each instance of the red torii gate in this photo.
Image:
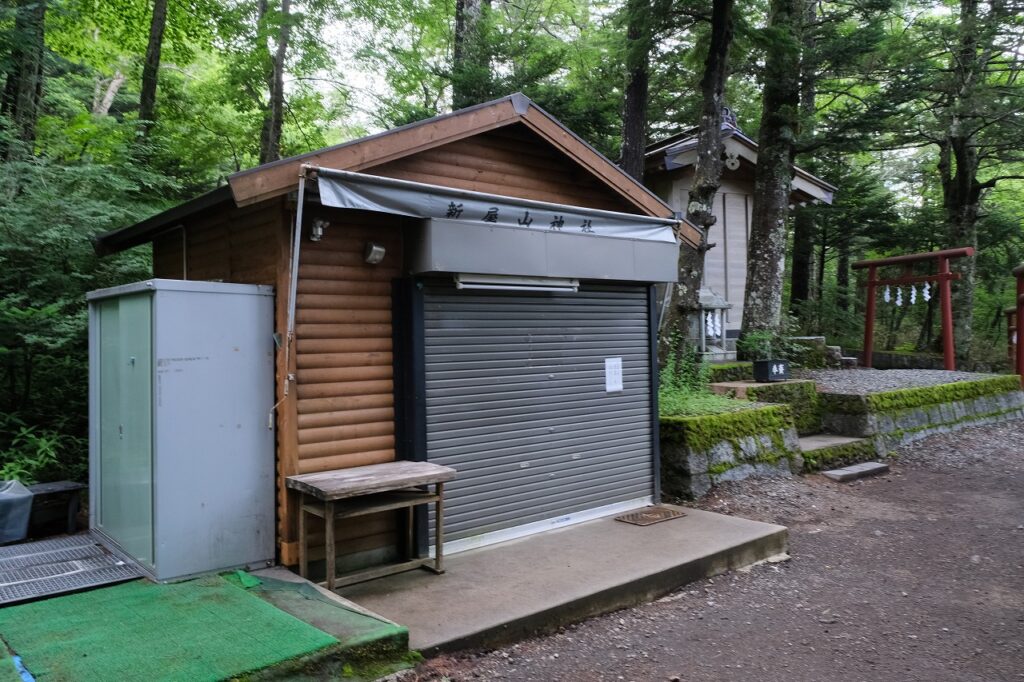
(944, 276)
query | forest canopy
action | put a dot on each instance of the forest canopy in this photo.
(114, 110)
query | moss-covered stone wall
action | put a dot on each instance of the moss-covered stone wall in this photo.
(907, 414)
(698, 452)
(731, 371)
(801, 396)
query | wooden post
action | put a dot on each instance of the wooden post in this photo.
(946, 303)
(332, 552)
(869, 321)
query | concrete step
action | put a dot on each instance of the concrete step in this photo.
(504, 592)
(848, 361)
(855, 471)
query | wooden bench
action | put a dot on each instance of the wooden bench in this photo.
(347, 493)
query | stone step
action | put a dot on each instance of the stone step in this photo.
(823, 450)
(818, 441)
(848, 361)
(855, 471)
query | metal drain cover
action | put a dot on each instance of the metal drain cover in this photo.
(650, 515)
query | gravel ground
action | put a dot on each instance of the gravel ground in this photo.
(916, 575)
(865, 381)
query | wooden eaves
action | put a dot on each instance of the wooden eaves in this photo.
(281, 177)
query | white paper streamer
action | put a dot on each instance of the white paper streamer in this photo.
(899, 296)
(926, 292)
(913, 295)
(886, 296)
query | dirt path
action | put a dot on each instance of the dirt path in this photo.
(918, 575)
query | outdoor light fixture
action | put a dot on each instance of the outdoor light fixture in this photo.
(316, 231)
(373, 253)
(507, 283)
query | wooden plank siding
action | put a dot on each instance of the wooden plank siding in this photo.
(238, 246)
(511, 161)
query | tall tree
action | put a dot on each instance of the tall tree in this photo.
(470, 63)
(151, 66)
(273, 115)
(773, 178)
(981, 95)
(640, 15)
(803, 221)
(24, 86)
(707, 174)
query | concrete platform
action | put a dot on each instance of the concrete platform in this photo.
(508, 591)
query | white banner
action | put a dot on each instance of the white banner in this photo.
(342, 189)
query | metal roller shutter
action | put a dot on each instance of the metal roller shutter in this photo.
(516, 402)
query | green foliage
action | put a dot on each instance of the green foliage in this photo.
(730, 371)
(35, 455)
(760, 344)
(700, 433)
(683, 384)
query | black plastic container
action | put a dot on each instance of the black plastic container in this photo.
(767, 371)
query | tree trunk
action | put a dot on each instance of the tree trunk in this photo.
(470, 64)
(803, 255)
(639, 43)
(106, 91)
(762, 305)
(273, 119)
(24, 86)
(151, 68)
(803, 221)
(958, 158)
(843, 276)
(708, 171)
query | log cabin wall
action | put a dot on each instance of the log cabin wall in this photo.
(344, 392)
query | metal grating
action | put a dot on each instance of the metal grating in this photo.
(40, 569)
(650, 515)
(42, 546)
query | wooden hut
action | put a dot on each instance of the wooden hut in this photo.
(670, 165)
(458, 285)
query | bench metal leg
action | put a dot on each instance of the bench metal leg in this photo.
(439, 529)
(329, 543)
(303, 541)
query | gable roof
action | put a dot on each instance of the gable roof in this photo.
(280, 177)
(680, 151)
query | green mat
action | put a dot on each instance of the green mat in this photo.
(206, 629)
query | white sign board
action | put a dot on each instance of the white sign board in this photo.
(612, 375)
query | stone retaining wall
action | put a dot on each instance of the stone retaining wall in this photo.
(905, 415)
(698, 452)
